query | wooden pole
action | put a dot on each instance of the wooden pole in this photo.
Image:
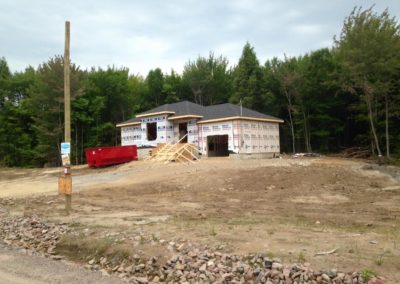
(67, 111)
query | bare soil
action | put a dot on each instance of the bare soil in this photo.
(286, 208)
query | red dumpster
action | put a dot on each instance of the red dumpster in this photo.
(105, 156)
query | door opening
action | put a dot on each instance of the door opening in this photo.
(182, 132)
(217, 146)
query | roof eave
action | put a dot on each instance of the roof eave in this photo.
(154, 113)
(241, 118)
(185, 116)
(128, 124)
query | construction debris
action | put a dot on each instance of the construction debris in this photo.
(357, 152)
(326, 252)
(307, 155)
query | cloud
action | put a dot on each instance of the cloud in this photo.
(308, 30)
(143, 35)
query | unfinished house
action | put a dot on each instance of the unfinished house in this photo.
(218, 130)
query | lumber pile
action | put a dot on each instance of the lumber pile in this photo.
(178, 152)
(356, 152)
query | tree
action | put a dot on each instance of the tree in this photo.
(248, 80)
(16, 133)
(46, 104)
(368, 48)
(5, 75)
(139, 90)
(110, 102)
(172, 88)
(209, 79)
(289, 79)
(155, 82)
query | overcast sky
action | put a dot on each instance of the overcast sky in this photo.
(143, 35)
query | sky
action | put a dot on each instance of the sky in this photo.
(143, 35)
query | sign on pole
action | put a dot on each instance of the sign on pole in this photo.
(65, 148)
(66, 154)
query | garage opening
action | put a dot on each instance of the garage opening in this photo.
(183, 131)
(151, 131)
(217, 146)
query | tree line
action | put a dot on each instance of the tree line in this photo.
(333, 98)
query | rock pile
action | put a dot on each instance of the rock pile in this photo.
(32, 234)
(197, 266)
(193, 265)
(189, 264)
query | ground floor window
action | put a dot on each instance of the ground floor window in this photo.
(151, 131)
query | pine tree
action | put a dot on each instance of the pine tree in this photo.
(248, 80)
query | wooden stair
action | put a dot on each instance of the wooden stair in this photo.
(178, 152)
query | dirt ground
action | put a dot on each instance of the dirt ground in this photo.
(287, 208)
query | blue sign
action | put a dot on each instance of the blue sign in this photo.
(65, 148)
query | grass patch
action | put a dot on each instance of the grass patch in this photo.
(81, 248)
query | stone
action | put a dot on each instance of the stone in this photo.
(249, 275)
(203, 267)
(277, 266)
(268, 264)
(56, 257)
(326, 277)
(140, 280)
(240, 269)
(103, 260)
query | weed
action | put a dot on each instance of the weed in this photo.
(154, 237)
(367, 274)
(301, 258)
(75, 225)
(379, 260)
(270, 254)
(141, 240)
(213, 232)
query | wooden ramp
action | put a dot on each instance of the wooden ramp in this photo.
(178, 152)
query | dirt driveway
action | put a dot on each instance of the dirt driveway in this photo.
(286, 208)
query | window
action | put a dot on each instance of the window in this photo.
(151, 131)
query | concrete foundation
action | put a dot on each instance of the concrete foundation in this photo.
(254, 155)
(143, 153)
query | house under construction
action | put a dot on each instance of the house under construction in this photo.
(217, 130)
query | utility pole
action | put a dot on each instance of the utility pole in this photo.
(67, 120)
(241, 129)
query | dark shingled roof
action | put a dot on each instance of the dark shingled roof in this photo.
(228, 110)
(132, 120)
(181, 108)
(208, 112)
